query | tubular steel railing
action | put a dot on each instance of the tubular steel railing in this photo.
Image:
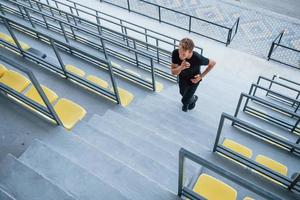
(230, 31)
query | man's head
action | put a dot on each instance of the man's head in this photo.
(186, 47)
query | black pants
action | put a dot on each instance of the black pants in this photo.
(187, 91)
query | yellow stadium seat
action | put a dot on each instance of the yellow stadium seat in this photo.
(248, 198)
(69, 112)
(2, 70)
(159, 86)
(98, 81)
(214, 189)
(10, 40)
(272, 164)
(125, 96)
(75, 70)
(34, 95)
(238, 148)
(116, 65)
(6, 37)
(132, 72)
(15, 80)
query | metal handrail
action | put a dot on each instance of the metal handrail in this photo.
(291, 184)
(185, 154)
(150, 85)
(277, 43)
(229, 35)
(48, 110)
(291, 127)
(60, 69)
(121, 24)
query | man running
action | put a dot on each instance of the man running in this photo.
(187, 63)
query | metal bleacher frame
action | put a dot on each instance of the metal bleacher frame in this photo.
(293, 128)
(187, 192)
(60, 70)
(70, 34)
(48, 110)
(291, 184)
(125, 26)
(231, 31)
(98, 31)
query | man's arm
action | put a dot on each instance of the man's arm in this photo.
(209, 67)
(176, 69)
(199, 77)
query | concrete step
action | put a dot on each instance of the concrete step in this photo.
(111, 171)
(128, 155)
(142, 132)
(67, 175)
(195, 144)
(4, 195)
(24, 183)
(125, 135)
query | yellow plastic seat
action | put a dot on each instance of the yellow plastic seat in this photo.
(33, 94)
(2, 70)
(132, 72)
(6, 37)
(15, 80)
(75, 70)
(159, 86)
(272, 164)
(248, 198)
(126, 97)
(98, 81)
(214, 189)
(116, 65)
(238, 148)
(69, 112)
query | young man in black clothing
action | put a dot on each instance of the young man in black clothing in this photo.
(187, 63)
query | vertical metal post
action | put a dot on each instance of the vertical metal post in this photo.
(153, 74)
(157, 50)
(13, 36)
(190, 24)
(159, 14)
(229, 37)
(180, 172)
(295, 181)
(270, 85)
(61, 63)
(64, 32)
(219, 132)
(128, 5)
(29, 17)
(238, 106)
(21, 12)
(271, 51)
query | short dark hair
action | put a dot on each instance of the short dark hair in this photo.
(187, 44)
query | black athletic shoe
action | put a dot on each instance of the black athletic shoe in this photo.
(193, 104)
(184, 108)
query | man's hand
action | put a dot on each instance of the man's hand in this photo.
(184, 65)
(196, 78)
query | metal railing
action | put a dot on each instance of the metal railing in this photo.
(291, 184)
(289, 53)
(48, 110)
(270, 92)
(125, 26)
(96, 30)
(60, 69)
(67, 30)
(189, 193)
(292, 101)
(286, 124)
(226, 39)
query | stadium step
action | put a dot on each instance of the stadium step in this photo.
(129, 182)
(24, 183)
(66, 174)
